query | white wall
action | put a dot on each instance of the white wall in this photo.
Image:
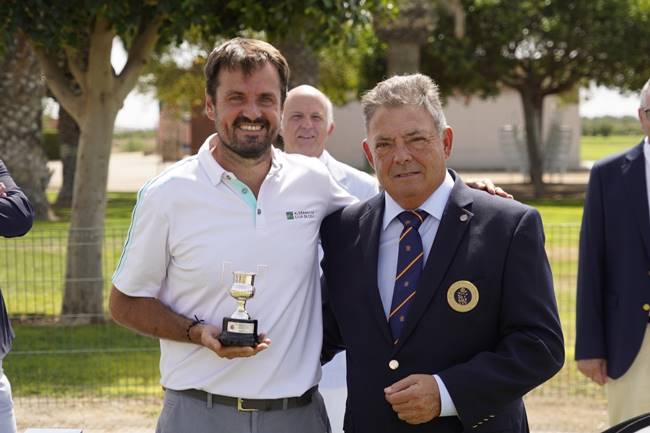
(476, 124)
(345, 142)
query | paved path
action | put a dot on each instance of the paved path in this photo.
(129, 171)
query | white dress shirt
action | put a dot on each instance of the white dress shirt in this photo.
(358, 183)
(388, 251)
(646, 154)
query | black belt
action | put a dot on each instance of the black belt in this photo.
(250, 404)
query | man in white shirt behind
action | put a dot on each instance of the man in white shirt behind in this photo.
(307, 123)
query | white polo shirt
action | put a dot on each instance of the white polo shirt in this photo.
(196, 220)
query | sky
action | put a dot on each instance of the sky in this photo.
(601, 101)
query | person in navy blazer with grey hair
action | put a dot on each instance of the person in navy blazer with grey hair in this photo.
(442, 296)
(613, 304)
(16, 217)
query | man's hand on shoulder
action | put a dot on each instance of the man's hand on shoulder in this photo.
(415, 399)
(488, 186)
(595, 369)
(3, 190)
(206, 335)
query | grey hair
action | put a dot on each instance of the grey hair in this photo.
(644, 94)
(414, 89)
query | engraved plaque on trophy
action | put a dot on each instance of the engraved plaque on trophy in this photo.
(239, 329)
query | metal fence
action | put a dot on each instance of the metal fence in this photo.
(83, 363)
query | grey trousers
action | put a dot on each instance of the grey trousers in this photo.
(183, 414)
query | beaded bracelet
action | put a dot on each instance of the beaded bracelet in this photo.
(195, 322)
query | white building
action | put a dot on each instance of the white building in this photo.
(480, 139)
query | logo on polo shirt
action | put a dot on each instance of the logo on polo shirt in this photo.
(301, 215)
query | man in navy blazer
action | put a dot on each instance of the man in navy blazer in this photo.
(477, 327)
(16, 217)
(612, 342)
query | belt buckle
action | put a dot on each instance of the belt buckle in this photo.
(241, 408)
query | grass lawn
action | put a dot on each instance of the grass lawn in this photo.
(593, 148)
(558, 212)
(32, 268)
(54, 360)
(82, 361)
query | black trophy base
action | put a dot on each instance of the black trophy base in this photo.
(239, 332)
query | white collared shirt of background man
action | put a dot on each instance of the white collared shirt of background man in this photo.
(646, 154)
(388, 250)
(358, 183)
(195, 217)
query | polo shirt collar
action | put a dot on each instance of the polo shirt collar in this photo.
(434, 205)
(216, 172)
(210, 165)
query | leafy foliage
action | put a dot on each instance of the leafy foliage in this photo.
(58, 23)
(546, 46)
(345, 69)
(343, 38)
(541, 48)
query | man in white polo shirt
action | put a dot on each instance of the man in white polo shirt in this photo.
(237, 205)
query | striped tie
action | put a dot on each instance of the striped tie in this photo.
(409, 268)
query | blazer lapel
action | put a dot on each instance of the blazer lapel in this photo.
(369, 231)
(633, 170)
(453, 225)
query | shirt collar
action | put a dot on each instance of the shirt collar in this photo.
(212, 168)
(216, 172)
(434, 205)
(325, 158)
(646, 150)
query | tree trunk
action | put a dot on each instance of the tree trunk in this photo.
(69, 138)
(94, 106)
(403, 57)
(406, 33)
(21, 129)
(302, 61)
(83, 296)
(533, 115)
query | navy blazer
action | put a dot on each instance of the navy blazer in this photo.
(16, 217)
(614, 264)
(16, 214)
(489, 357)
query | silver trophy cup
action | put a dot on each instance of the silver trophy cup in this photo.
(239, 329)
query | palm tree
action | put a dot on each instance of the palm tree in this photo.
(21, 129)
(406, 32)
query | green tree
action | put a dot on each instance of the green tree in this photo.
(76, 27)
(540, 48)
